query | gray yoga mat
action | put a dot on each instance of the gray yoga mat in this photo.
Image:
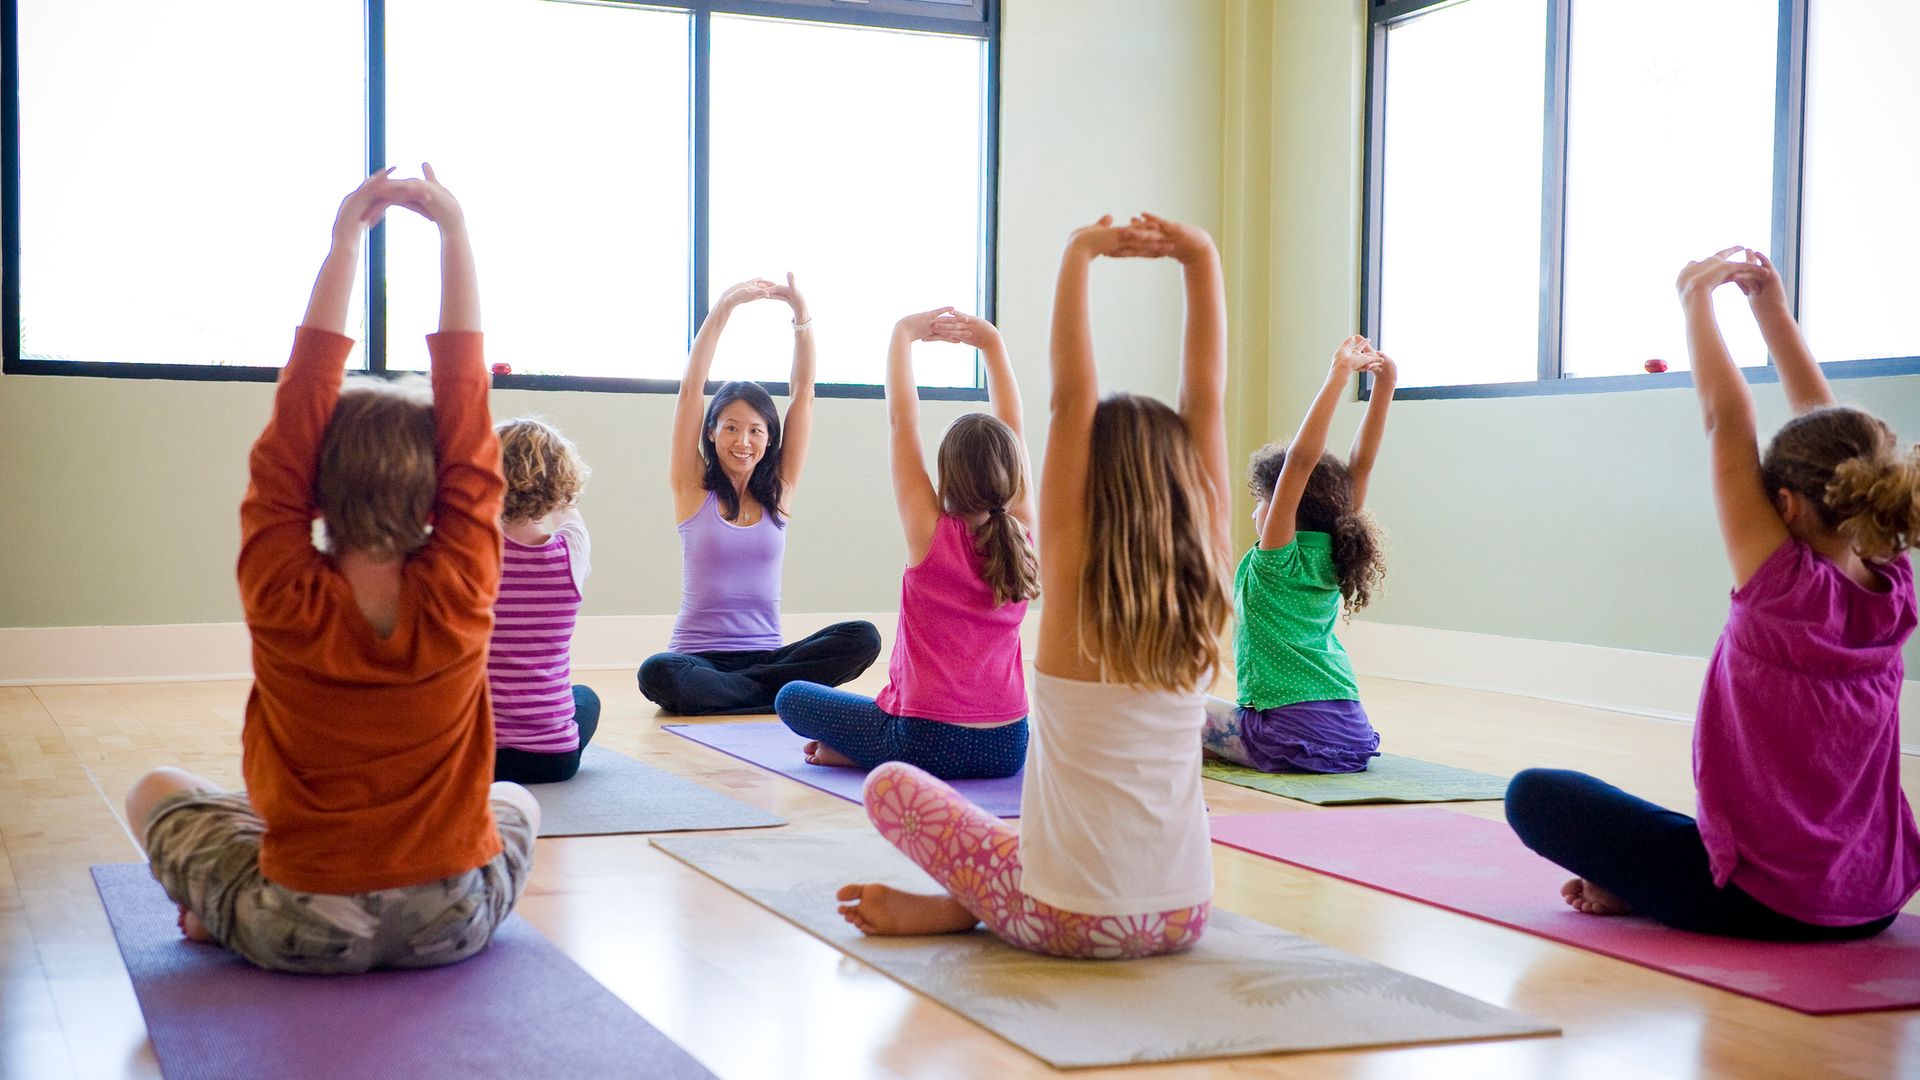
(1388, 779)
(612, 793)
(1246, 988)
(521, 1008)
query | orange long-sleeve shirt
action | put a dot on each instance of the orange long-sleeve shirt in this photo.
(370, 758)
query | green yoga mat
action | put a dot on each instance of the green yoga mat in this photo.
(1389, 779)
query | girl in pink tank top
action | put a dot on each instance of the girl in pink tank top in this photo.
(955, 703)
(1801, 831)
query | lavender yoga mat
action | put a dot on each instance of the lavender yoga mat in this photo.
(1479, 867)
(521, 1008)
(775, 748)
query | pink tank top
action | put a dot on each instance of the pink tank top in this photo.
(957, 656)
(1797, 752)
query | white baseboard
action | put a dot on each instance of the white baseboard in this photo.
(1623, 680)
(1649, 684)
(204, 652)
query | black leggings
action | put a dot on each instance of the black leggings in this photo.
(527, 767)
(1648, 856)
(716, 683)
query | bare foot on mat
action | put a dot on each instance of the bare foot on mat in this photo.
(192, 928)
(819, 753)
(882, 909)
(1584, 896)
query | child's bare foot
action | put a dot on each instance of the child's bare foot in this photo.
(819, 753)
(882, 909)
(192, 928)
(1584, 896)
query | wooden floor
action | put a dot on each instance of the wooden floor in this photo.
(752, 996)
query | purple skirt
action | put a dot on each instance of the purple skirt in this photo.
(1309, 736)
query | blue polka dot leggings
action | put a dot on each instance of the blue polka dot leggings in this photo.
(856, 727)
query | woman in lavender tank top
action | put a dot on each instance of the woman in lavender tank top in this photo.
(1803, 833)
(955, 703)
(733, 475)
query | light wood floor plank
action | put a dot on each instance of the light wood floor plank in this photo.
(752, 996)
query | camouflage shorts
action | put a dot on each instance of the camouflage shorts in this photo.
(204, 849)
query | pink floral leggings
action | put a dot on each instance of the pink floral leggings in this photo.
(976, 858)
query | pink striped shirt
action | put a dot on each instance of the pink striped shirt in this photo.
(529, 663)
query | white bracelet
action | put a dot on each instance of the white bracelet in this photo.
(799, 326)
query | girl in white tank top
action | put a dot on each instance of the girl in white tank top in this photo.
(1112, 859)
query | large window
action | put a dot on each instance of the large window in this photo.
(172, 170)
(1539, 171)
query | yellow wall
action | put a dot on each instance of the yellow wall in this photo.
(118, 497)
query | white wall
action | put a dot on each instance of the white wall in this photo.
(118, 497)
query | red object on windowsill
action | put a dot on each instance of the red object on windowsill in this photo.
(507, 369)
(1654, 366)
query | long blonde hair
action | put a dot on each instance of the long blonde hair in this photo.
(1154, 597)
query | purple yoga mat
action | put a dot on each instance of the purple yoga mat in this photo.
(519, 1009)
(1479, 867)
(775, 748)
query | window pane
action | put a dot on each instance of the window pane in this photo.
(562, 129)
(854, 158)
(1669, 158)
(179, 169)
(1860, 221)
(1460, 246)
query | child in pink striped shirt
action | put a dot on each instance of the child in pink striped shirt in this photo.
(541, 722)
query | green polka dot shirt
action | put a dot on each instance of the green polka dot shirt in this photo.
(1287, 601)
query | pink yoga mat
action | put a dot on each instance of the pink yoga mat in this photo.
(1479, 868)
(775, 748)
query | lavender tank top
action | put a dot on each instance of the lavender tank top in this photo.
(730, 583)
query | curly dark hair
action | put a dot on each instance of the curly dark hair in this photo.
(1327, 506)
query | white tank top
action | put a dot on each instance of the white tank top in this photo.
(1112, 821)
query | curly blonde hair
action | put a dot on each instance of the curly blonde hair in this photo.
(543, 469)
(1863, 484)
(376, 476)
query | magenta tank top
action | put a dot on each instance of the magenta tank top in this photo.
(957, 656)
(1797, 752)
(729, 583)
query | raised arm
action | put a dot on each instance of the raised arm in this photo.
(1003, 394)
(465, 545)
(1749, 525)
(1203, 359)
(1805, 384)
(1373, 428)
(1063, 471)
(685, 469)
(913, 491)
(1303, 452)
(276, 515)
(797, 432)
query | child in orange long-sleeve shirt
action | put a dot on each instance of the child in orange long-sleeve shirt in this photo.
(370, 834)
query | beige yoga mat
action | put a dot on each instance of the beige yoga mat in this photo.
(1246, 988)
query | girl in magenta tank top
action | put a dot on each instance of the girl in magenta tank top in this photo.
(1802, 831)
(732, 473)
(955, 703)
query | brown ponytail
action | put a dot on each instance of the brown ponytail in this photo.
(982, 470)
(1849, 465)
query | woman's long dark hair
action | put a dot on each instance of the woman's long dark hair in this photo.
(764, 485)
